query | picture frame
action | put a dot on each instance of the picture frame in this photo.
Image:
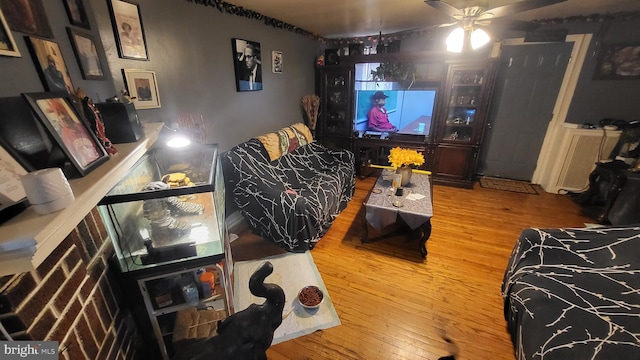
(142, 86)
(84, 47)
(7, 43)
(77, 13)
(247, 64)
(129, 32)
(56, 112)
(618, 61)
(51, 66)
(11, 191)
(27, 16)
(13, 198)
(276, 62)
(19, 123)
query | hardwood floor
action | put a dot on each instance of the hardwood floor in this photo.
(394, 305)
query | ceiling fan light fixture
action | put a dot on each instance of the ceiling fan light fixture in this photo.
(479, 38)
(455, 40)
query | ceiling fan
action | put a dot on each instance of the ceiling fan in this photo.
(470, 20)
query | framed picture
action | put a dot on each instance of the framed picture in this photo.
(618, 61)
(127, 26)
(56, 112)
(20, 123)
(27, 16)
(276, 62)
(143, 88)
(7, 44)
(11, 191)
(76, 12)
(50, 64)
(248, 64)
(84, 46)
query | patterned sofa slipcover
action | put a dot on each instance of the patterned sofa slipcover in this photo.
(294, 199)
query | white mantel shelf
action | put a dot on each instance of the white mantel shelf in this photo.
(19, 235)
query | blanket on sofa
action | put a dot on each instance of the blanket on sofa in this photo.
(574, 294)
(293, 199)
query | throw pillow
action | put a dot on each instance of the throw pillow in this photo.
(285, 140)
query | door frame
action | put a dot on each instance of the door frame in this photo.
(555, 130)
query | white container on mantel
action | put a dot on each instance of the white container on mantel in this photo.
(47, 190)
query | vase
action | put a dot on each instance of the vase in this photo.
(406, 172)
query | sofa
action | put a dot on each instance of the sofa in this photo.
(574, 294)
(289, 188)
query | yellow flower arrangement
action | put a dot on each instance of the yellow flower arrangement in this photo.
(399, 157)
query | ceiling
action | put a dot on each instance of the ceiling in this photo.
(350, 18)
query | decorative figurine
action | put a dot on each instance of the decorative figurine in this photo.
(126, 99)
(92, 114)
(246, 334)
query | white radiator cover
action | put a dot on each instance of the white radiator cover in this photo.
(577, 154)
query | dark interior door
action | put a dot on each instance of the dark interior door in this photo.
(525, 94)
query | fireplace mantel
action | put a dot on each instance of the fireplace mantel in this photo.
(28, 239)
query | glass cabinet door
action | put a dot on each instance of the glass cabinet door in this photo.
(337, 87)
(464, 98)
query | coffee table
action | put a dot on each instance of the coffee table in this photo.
(415, 211)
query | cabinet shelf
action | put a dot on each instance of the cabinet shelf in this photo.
(466, 85)
(201, 303)
(460, 125)
(469, 106)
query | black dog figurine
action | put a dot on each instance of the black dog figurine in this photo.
(245, 335)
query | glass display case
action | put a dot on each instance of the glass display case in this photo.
(168, 209)
(335, 118)
(464, 99)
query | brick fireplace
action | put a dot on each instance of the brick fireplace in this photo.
(72, 297)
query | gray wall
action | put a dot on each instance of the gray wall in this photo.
(190, 50)
(598, 99)
(19, 75)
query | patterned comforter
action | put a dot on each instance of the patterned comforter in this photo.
(574, 294)
(294, 199)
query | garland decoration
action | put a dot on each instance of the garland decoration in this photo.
(225, 7)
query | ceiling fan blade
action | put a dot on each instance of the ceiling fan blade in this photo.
(449, 24)
(445, 8)
(521, 6)
(485, 16)
(482, 22)
(514, 24)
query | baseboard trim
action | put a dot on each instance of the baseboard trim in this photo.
(236, 222)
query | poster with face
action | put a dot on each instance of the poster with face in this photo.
(248, 64)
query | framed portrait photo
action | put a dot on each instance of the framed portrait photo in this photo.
(81, 146)
(27, 16)
(618, 61)
(143, 88)
(7, 44)
(276, 62)
(77, 13)
(248, 64)
(127, 27)
(50, 64)
(84, 46)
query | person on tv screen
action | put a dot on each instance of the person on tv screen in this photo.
(378, 119)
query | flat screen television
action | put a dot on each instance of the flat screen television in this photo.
(410, 111)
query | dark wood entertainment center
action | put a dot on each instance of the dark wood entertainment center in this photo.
(452, 144)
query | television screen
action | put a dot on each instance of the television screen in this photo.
(394, 111)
